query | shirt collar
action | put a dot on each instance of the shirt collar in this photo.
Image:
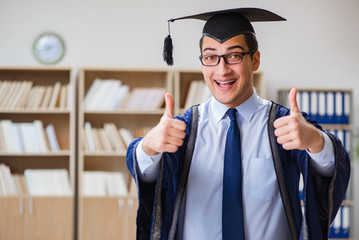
(246, 109)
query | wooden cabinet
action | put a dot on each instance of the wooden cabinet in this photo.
(36, 218)
(31, 217)
(109, 218)
(12, 221)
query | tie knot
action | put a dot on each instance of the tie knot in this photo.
(232, 114)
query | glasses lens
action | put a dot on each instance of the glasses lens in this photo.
(233, 58)
(209, 60)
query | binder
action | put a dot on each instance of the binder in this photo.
(347, 106)
(314, 105)
(330, 107)
(335, 233)
(305, 102)
(345, 222)
(322, 107)
(300, 100)
(310, 110)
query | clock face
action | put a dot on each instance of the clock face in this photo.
(49, 48)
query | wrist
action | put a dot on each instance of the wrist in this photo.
(149, 151)
(317, 144)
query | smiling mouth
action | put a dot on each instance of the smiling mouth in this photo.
(225, 82)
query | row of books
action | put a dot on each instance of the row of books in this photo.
(55, 182)
(328, 107)
(198, 92)
(111, 94)
(19, 95)
(11, 184)
(108, 138)
(48, 182)
(28, 137)
(34, 182)
(103, 183)
(340, 227)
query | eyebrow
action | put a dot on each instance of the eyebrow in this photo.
(229, 48)
(236, 46)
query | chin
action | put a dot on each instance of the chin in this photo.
(224, 100)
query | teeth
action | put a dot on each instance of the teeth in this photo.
(225, 82)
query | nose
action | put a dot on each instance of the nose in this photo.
(223, 68)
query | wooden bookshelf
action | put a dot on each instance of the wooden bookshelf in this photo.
(112, 217)
(24, 216)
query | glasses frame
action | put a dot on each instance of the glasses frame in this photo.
(223, 56)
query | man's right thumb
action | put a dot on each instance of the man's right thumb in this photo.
(169, 105)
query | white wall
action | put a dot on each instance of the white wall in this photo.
(317, 47)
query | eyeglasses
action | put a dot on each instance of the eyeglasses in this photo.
(229, 58)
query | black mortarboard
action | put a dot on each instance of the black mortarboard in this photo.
(223, 25)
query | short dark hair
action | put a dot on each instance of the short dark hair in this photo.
(250, 38)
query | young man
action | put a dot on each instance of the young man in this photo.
(230, 168)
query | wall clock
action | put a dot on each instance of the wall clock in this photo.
(49, 48)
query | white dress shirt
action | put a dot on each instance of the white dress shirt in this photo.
(201, 211)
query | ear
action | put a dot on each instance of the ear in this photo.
(256, 60)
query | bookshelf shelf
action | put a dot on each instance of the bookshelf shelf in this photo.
(105, 154)
(24, 214)
(61, 153)
(127, 112)
(337, 126)
(347, 203)
(35, 111)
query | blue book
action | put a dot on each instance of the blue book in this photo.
(310, 111)
(347, 107)
(344, 119)
(330, 107)
(335, 115)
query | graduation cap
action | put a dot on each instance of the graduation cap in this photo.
(223, 25)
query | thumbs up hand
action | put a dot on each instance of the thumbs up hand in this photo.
(294, 132)
(167, 135)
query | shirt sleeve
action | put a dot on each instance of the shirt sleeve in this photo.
(149, 166)
(323, 161)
